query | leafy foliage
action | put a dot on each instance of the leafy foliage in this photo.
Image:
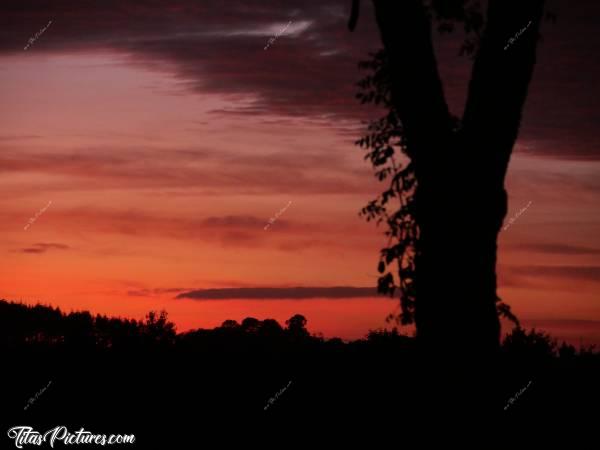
(390, 157)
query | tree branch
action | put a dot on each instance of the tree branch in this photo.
(354, 12)
(500, 80)
(417, 92)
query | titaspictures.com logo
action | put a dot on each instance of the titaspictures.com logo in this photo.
(24, 435)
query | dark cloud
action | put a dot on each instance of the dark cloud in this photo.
(266, 293)
(579, 323)
(139, 293)
(579, 273)
(169, 290)
(559, 249)
(310, 70)
(43, 247)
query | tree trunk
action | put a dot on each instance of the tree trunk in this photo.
(460, 199)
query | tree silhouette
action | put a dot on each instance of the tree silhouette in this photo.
(447, 172)
(296, 325)
(157, 329)
(270, 328)
(230, 324)
(228, 373)
(250, 325)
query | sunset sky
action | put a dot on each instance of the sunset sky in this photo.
(152, 142)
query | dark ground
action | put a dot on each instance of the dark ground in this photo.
(183, 391)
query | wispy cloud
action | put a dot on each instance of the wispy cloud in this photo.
(272, 293)
(43, 247)
(154, 292)
(134, 167)
(574, 272)
(232, 222)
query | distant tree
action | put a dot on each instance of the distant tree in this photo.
(230, 324)
(296, 325)
(270, 328)
(158, 329)
(567, 351)
(250, 325)
(530, 344)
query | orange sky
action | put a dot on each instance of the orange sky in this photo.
(157, 188)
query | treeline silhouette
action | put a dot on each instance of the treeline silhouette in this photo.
(132, 376)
